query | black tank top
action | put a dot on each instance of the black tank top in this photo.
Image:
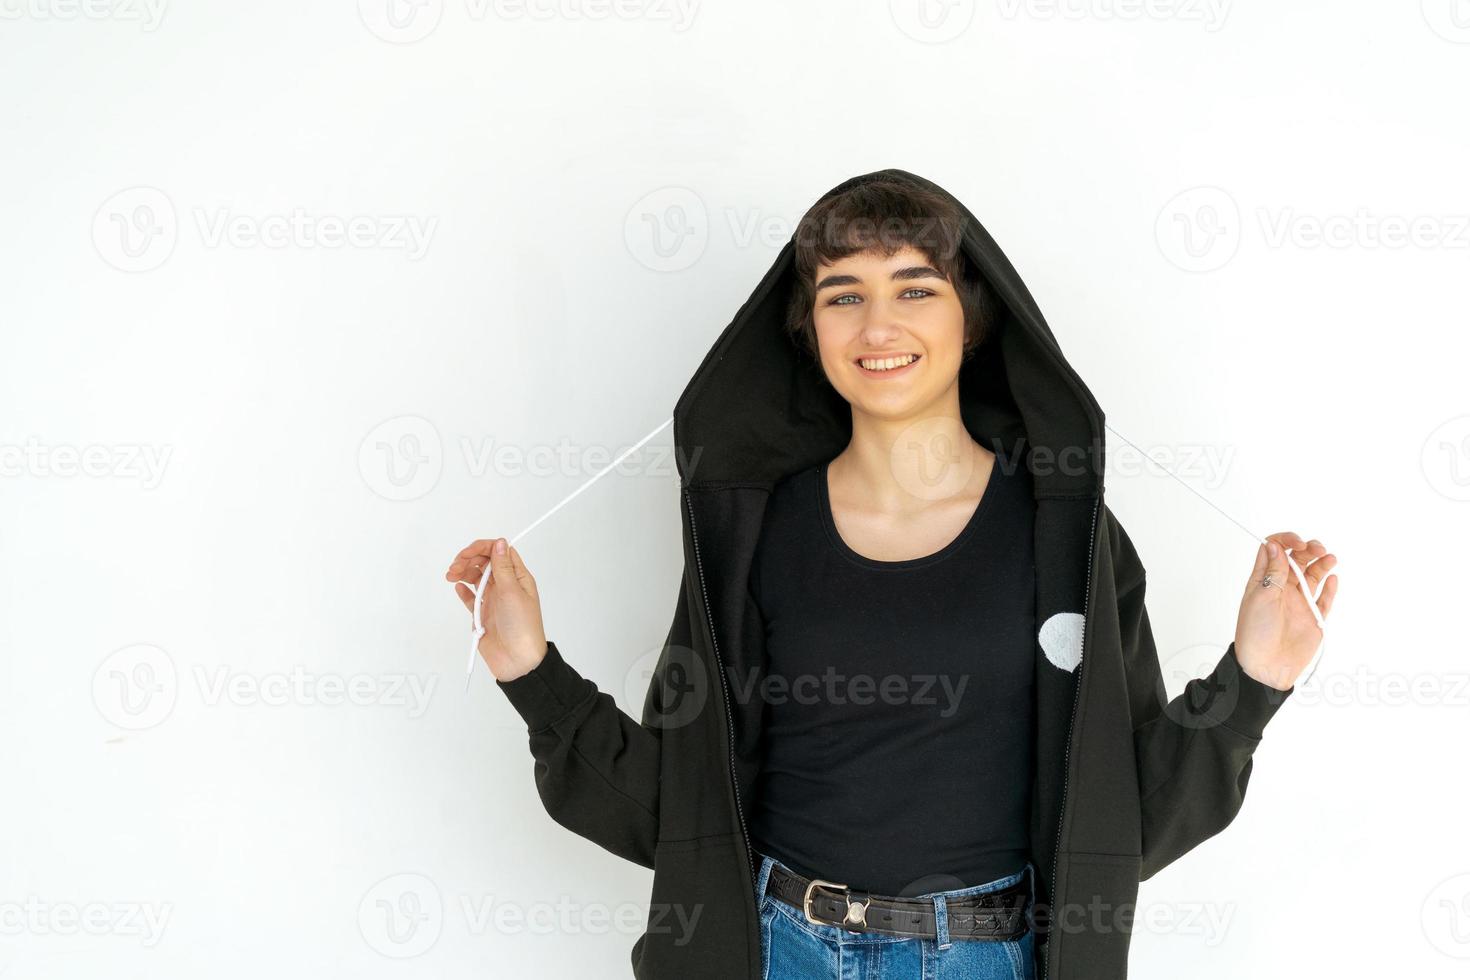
(898, 731)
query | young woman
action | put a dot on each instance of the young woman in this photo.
(870, 747)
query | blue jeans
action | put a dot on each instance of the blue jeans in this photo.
(794, 949)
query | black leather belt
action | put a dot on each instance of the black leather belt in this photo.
(995, 915)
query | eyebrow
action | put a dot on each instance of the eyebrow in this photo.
(909, 272)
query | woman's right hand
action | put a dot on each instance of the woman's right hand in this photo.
(515, 641)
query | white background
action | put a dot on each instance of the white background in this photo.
(235, 470)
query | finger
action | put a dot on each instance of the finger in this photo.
(1276, 567)
(1288, 539)
(487, 609)
(468, 572)
(502, 572)
(1320, 569)
(1329, 592)
(1304, 556)
(477, 547)
(522, 573)
(1315, 549)
(1258, 569)
(1308, 553)
(475, 554)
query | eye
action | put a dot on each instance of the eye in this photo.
(918, 289)
(837, 300)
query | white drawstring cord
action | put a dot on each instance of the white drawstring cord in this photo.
(1301, 579)
(1300, 576)
(479, 629)
(479, 626)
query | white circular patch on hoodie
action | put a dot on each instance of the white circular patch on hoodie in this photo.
(1061, 640)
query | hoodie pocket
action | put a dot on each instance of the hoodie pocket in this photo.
(699, 921)
(1092, 924)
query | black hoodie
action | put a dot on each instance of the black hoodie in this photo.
(1125, 780)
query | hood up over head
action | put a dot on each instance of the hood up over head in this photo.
(759, 408)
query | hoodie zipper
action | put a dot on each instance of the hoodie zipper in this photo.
(1072, 720)
(725, 693)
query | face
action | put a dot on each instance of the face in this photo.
(890, 332)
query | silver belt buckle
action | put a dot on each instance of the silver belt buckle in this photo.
(857, 912)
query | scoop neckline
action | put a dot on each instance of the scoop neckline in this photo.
(824, 502)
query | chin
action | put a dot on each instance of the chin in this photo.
(893, 405)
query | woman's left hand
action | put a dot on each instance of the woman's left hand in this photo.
(1276, 634)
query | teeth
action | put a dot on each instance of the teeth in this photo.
(887, 363)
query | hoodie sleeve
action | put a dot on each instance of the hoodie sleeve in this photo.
(597, 768)
(1195, 752)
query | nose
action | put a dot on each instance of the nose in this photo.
(880, 325)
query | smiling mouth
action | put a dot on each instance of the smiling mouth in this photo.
(886, 365)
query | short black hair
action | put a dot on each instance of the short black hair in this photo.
(887, 216)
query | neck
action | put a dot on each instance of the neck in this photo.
(901, 465)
